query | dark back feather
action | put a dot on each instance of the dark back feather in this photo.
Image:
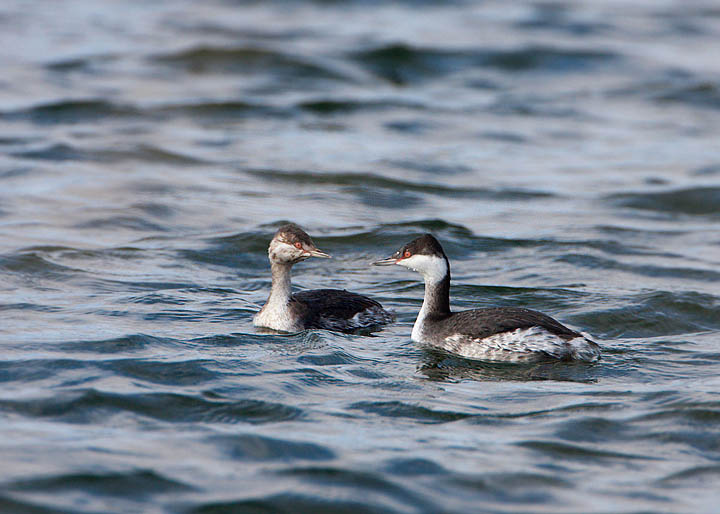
(481, 323)
(318, 305)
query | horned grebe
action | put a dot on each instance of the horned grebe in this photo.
(497, 334)
(331, 309)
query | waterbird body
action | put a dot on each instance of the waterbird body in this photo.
(331, 309)
(496, 334)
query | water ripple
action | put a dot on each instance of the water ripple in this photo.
(694, 201)
(700, 94)
(404, 410)
(244, 60)
(149, 150)
(119, 345)
(288, 503)
(340, 478)
(654, 313)
(404, 64)
(369, 180)
(572, 451)
(696, 476)
(58, 152)
(73, 111)
(260, 448)
(139, 483)
(83, 407)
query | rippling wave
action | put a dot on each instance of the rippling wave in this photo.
(402, 64)
(564, 154)
(698, 201)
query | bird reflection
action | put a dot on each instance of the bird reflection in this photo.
(442, 367)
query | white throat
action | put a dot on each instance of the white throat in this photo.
(434, 270)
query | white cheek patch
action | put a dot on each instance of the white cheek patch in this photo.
(433, 269)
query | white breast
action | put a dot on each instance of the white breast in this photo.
(277, 318)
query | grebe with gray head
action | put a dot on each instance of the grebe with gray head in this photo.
(330, 309)
(496, 334)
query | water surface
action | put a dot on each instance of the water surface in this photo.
(566, 155)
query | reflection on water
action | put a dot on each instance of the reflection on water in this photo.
(447, 367)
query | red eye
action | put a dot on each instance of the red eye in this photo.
(407, 254)
(298, 245)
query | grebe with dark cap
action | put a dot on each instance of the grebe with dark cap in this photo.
(330, 309)
(496, 334)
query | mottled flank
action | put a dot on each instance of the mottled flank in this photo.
(521, 345)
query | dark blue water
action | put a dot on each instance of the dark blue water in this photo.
(567, 155)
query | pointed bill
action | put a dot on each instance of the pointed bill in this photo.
(385, 262)
(318, 253)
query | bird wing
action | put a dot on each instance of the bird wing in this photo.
(481, 323)
(321, 307)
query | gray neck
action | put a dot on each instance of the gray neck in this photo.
(280, 291)
(276, 313)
